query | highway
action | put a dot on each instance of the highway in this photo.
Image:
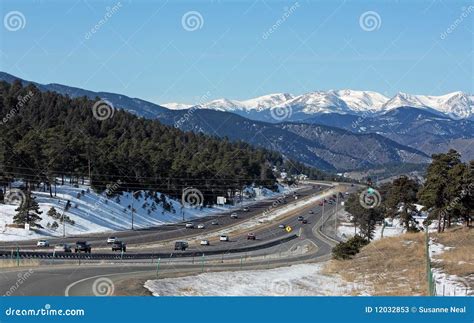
(68, 277)
(172, 231)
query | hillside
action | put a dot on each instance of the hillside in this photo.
(320, 146)
(420, 129)
(49, 135)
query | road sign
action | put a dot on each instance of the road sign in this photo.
(288, 229)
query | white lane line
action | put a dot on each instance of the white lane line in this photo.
(66, 292)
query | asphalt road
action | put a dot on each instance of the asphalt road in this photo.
(168, 232)
(82, 280)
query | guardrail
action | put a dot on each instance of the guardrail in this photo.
(123, 256)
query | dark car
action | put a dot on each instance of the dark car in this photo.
(251, 236)
(180, 245)
(300, 218)
(304, 221)
(119, 246)
(311, 212)
(82, 246)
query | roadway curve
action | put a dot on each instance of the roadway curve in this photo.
(71, 279)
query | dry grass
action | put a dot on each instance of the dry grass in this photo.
(459, 259)
(11, 263)
(392, 266)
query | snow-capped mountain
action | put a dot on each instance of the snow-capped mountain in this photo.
(456, 105)
(176, 106)
(259, 103)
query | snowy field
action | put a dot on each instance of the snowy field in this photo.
(446, 285)
(93, 212)
(345, 229)
(296, 280)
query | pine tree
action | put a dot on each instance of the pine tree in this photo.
(28, 212)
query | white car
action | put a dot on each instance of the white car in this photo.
(189, 225)
(111, 240)
(204, 242)
(234, 215)
(201, 226)
(42, 243)
(224, 238)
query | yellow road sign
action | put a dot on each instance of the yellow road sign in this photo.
(288, 228)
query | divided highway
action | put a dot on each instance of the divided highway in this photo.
(54, 280)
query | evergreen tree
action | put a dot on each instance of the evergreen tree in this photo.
(28, 212)
(399, 199)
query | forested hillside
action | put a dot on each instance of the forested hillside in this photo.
(45, 135)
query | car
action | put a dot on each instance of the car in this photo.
(119, 246)
(346, 193)
(234, 216)
(82, 246)
(204, 243)
(304, 221)
(42, 243)
(111, 240)
(214, 223)
(321, 203)
(334, 196)
(201, 226)
(62, 248)
(282, 226)
(331, 202)
(245, 209)
(325, 201)
(311, 212)
(224, 238)
(189, 225)
(180, 245)
(251, 236)
(300, 218)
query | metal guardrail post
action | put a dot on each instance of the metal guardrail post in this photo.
(158, 267)
(202, 263)
(429, 273)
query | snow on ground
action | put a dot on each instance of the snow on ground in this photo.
(296, 280)
(345, 229)
(446, 285)
(93, 212)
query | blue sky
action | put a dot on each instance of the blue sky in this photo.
(143, 50)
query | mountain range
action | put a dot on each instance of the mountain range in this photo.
(334, 130)
(279, 106)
